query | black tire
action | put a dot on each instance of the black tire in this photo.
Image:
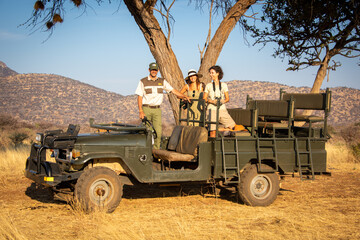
(98, 188)
(258, 189)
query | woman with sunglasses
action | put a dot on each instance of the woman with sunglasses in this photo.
(194, 90)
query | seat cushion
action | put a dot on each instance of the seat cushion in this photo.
(172, 156)
(307, 118)
(273, 125)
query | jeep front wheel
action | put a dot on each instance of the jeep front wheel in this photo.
(258, 189)
(98, 188)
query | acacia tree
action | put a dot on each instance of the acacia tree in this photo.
(310, 32)
(51, 12)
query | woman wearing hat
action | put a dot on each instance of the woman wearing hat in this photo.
(194, 90)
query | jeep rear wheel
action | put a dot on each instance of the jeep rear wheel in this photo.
(258, 189)
(98, 188)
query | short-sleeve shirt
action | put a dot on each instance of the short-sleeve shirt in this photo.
(209, 89)
(152, 91)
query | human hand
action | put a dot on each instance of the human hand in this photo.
(187, 99)
(141, 114)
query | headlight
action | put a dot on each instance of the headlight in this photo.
(39, 137)
(75, 153)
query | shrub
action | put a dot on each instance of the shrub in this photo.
(18, 137)
(356, 151)
(351, 134)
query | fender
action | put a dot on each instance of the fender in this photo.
(129, 169)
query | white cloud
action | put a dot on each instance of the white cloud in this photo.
(4, 35)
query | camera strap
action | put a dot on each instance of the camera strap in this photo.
(219, 88)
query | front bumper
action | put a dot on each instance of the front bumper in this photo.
(46, 173)
(51, 181)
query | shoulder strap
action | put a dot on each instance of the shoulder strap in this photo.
(219, 87)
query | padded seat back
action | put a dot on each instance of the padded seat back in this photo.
(190, 138)
(272, 108)
(245, 117)
(174, 138)
(315, 101)
(309, 101)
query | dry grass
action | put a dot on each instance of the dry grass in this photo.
(327, 208)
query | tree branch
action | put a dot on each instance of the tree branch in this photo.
(209, 32)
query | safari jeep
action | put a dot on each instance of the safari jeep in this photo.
(95, 166)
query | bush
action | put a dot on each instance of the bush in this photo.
(351, 134)
(7, 120)
(356, 151)
(18, 137)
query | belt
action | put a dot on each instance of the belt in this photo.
(149, 106)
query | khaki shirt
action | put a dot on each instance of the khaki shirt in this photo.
(152, 91)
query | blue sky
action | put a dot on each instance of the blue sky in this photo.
(105, 48)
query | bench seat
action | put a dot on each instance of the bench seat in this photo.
(172, 156)
(183, 144)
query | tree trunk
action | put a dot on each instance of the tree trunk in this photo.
(159, 47)
(320, 76)
(216, 44)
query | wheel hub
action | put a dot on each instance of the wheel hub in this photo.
(260, 186)
(101, 191)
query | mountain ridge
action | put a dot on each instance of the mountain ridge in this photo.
(60, 100)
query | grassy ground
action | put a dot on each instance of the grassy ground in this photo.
(327, 208)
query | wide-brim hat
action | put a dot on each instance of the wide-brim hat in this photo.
(192, 72)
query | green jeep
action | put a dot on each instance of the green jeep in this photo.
(95, 166)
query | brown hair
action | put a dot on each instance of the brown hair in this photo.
(217, 69)
(198, 83)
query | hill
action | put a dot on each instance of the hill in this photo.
(5, 71)
(60, 100)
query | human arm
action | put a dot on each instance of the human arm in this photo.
(184, 89)
(227, 98)
(180, 95)
(141, 112)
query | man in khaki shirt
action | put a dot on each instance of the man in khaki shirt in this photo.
(150, 91)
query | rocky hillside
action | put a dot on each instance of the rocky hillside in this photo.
(5, 71)
(60, 100)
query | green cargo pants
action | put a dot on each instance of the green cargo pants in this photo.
(154, 116)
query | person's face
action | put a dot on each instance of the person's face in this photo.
(213, 74)
(153, 73)
(193, 78)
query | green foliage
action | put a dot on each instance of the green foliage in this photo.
(306, 31)
(18, 137)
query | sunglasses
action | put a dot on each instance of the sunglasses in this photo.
(194, 93)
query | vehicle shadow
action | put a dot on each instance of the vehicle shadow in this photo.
(42, 194)
(157, 191)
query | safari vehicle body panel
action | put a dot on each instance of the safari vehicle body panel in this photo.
(133, 150)
(251, 161)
